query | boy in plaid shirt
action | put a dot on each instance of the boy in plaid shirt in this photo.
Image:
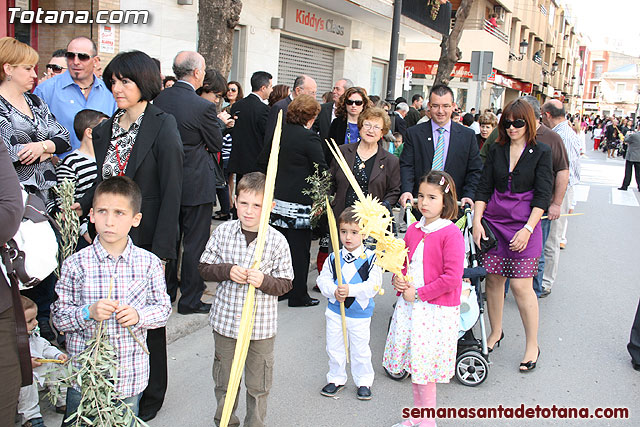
(116, 282)
(227, 259)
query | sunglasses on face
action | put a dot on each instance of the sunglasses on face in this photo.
(357, 102)
(55, 68)
(232, 89)
(81, 56)
(518, 123)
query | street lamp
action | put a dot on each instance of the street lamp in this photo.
(554, 69)
(523, 52)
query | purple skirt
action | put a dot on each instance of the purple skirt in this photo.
(507, 213)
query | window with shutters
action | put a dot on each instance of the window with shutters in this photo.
(301, 57)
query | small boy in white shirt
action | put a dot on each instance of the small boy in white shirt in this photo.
(361, 280)
(40, 348)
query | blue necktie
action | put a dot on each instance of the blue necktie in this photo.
(438, 156)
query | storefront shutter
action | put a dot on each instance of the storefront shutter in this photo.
(301, 57)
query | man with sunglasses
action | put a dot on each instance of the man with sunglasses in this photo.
(68, 93)
(440, 144)
(57, 65)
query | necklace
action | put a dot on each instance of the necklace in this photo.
(84, 89)
(349, 141)
(122, 165)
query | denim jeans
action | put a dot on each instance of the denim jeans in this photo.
(545, 225)
(73, 401)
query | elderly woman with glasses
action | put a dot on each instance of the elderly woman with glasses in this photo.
(512, 196)
(376, 170)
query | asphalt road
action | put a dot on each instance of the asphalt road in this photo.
(584, 329)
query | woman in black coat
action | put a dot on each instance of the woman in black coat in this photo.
(344, 128)
(512, 196)
(300, 149)
(142, 142)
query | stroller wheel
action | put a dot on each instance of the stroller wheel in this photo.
(399, 376)
(471, 368)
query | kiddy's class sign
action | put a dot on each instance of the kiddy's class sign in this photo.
(309, 21)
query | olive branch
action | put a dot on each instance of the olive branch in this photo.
(67, 220)
(320, 188)
(95, 372)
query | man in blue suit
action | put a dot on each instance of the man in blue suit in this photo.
(440, 144)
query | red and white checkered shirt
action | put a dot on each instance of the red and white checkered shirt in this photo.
(227, 245)
(138, 281)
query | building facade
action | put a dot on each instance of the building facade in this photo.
(612, 84)
(533, 43)
(326, 39)
(535, 51)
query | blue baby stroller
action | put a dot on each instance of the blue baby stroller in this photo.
(472, 360)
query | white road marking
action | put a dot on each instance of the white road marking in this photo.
(623, 198)
(581, 192)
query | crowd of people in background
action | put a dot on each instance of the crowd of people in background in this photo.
(163, 151)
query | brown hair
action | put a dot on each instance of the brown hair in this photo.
(253, 182)
(14, 52)
(518, 109)
(121, 186)
(341, 108)
(27, 303)
(302, 109)
(279, 92)
(348, 216)
(449, 196)
(488, 118)
(375, 113)
(240, 92)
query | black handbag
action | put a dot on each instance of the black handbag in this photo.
(491, 241)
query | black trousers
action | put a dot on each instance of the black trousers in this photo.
(634, 339)
(300, 245)
(195, 228)
(153, 396)
(628, 166)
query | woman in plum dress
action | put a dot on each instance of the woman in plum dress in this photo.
(512, 196)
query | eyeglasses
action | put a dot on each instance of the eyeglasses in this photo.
(55, 68)
(357, 102)
(518, 123)
(370, 126)
(81, 56)
(232, 89)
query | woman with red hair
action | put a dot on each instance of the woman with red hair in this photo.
(512, 196)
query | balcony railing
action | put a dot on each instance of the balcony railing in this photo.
(495, 31)
(483, 24)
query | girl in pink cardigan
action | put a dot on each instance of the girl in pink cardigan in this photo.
(424, 330)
